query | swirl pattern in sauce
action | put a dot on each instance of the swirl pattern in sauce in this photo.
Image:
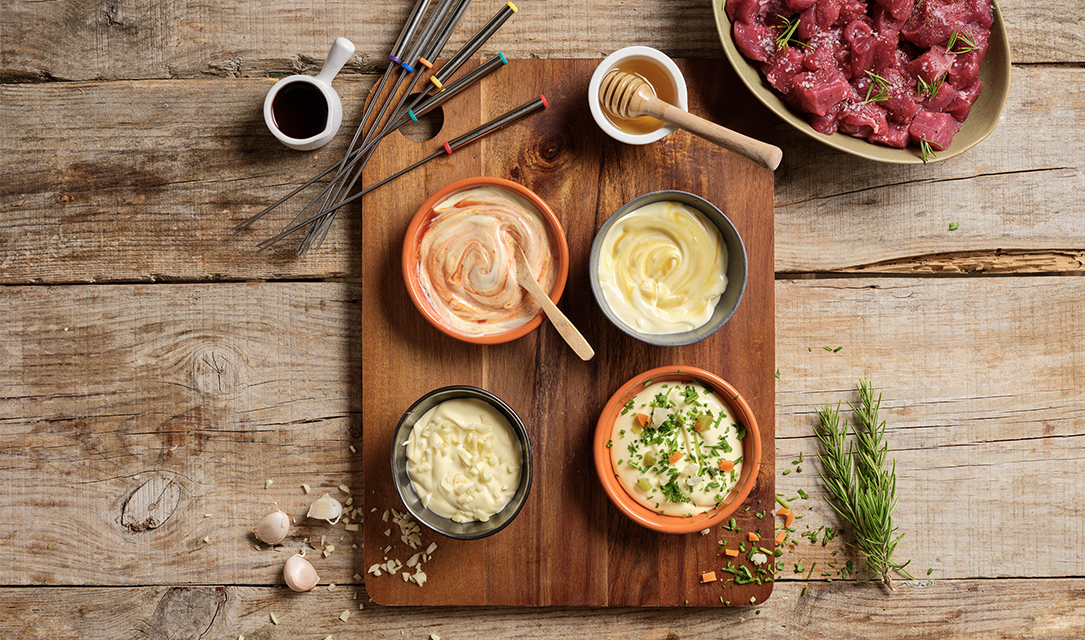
(467, 260)
(663, 267)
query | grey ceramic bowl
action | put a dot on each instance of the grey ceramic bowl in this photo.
(438, 523)
(736, 270)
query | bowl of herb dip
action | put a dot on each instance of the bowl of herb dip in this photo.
(677, 449)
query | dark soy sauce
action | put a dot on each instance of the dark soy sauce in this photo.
(300, 110)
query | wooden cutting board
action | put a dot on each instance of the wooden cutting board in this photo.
(569, 546)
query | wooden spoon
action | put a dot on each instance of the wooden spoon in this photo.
(560, 322)
(628, 96)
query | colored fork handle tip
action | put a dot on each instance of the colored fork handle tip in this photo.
(504, 60)
(448, 149)
(410, 112)
(407, 67)
(545, 103)
(437, 83)
(513, 7)
(394, 59)
(426, 63)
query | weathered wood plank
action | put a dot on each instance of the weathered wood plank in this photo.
(143, 39)
(964, 609)
(138, 421)
(153, 194)
(216, 388)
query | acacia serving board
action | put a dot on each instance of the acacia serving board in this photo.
(569, 546)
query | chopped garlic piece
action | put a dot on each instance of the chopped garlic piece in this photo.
(344, 488)
(759, 559)
(306, 488)
(331, 586)
(352, 449)
(343, 616)
(268, 483)
(705, 532)
(351, 527)
(274, 620)
(207, 539)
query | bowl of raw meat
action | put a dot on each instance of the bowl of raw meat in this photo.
(895, 81)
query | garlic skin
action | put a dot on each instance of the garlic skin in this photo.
(326, 508)
(273, 528)
(299, 574)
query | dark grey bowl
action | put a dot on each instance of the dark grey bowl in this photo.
(440, 524)
(736, 270)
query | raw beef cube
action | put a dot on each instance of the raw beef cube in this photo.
(939, 101)
(827, 123)
(896, 135)
(932, 65)
(825, 13)
(756, 42)
(743, 10)
(782, 68)
(885, 24)
(966, 66)
(936, 128)
(900, 9)
(851, 10)
(962, 104)
(817, 91)
(863, 119)
(933, 21)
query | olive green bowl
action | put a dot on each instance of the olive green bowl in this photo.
(981, 121)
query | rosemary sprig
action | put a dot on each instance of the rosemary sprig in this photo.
(963, 39)
(787, 35)
(926, 149)
(883, 88)
(930, 89)
(862, 491)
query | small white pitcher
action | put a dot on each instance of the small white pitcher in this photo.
(304, 112)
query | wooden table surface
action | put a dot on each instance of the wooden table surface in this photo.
(156, 372)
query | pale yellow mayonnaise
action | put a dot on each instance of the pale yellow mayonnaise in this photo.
(686, 457)
(463, 460)
(467, 260)
(662, 268)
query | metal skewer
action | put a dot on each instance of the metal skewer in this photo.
(438, 80)
(429, 51)
(448, 148)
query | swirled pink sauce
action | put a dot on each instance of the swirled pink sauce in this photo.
(467, 260)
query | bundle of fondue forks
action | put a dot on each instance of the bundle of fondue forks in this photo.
(421, 41)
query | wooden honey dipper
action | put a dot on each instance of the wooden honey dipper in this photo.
(628, 96)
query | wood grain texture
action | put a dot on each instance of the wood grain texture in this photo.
(959, 609)
(567, 546)
(138, 421)
(143, 39)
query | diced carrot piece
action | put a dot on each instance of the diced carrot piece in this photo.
(642, 419)
(783, 511)
(752, 537)
(726, 465)
(790, 519)
(708, 577)
(780, 537)
(731, 552)
(675, 457)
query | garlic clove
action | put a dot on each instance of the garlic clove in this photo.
(273, 528)
(326, 508)
(299, 574)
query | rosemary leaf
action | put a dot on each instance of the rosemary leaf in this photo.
(861, 490)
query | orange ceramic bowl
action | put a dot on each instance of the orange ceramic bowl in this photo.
(420, 224)
(751, 452)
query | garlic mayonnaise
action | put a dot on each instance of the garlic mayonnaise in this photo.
(663, 267)
(677, 449)
(463, 459)
(467, 260)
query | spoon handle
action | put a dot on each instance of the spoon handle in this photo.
(565, 328)
(764, 154)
